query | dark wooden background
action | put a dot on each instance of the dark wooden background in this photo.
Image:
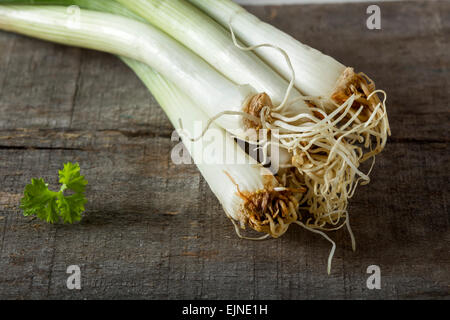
(154, 230)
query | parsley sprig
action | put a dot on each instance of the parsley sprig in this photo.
(51, 206)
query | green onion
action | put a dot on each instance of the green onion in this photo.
(325, 164)
(257, 195)
(321, 144)
(321, 140)
(133, 39)
(247, 191)
(213, 43)
(316, 74)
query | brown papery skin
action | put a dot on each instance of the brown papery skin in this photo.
(351, 83)
(269, 211)
(254, 107)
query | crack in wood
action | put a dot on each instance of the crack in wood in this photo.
(139, 133)
(39, 148)
(417, 141)
(73, 134)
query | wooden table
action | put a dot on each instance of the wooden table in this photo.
(154, 230)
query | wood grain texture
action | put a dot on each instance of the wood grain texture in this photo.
(154, 230)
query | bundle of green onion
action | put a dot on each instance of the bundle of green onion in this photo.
(325, 119)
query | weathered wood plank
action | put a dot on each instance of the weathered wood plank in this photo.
(154, 229)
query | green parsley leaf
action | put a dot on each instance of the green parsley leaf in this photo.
(71, 207)
(51, 206)
(70, 176)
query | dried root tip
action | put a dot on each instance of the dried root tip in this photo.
(298, 160)
(359, 84)
(254, 107)
(375, 128)
(343, 86)
(270, 211)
